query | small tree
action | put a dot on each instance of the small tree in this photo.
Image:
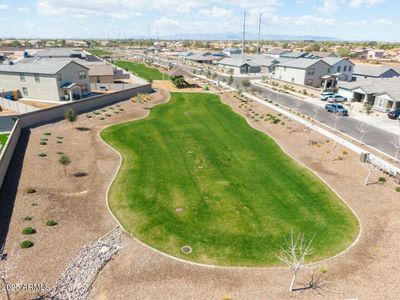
(362, 129)
(70, 116)
(65, 161)
(230, 79)
(246, 83)
(294, 252)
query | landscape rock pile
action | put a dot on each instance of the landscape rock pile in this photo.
(77, 279)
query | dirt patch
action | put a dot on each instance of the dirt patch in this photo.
(77, 204)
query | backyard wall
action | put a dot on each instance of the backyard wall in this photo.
(8, 150)
(57, 113)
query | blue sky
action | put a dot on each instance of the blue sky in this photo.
(343, 19)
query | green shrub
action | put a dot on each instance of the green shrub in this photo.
(59, 137)
(26, 244)
(51, 223)
(47, 133)
(43, 143)
(397, 189)
(31, 191)
(382, 179)
(27, 218)
(28, 230)
(44, 139)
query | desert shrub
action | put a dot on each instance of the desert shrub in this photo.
(397, 189)
(26, 244)
(323, 269)
(43, 143)
(59, 142)
(96, 113)
(44, 139)
(108, 115)
(121, 109)
(31, 191)
(344, 152)
(47, 133)
(339, 158)
(382, 179)
(59, 137)
(27, 218)
(35, 204)
(51, 223)
(42, 154)
(60, 152)
(28, 230)
(102, 119)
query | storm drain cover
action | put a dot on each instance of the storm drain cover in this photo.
(186, 249)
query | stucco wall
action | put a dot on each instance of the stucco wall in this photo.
(8, 150)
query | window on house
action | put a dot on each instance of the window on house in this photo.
(37, 78)
(329, 70)
(82, 74)
(338, 68)
(22, 76)
(25, 91)
(344, 68)
(59, 77)
(311, 71)
(381, 102)
(349, 68)
(98, 79)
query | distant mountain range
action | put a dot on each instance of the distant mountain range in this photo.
(237, 36)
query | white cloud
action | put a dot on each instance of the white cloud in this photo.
(216, 12)
(367, 3)
(383, 21)
(303, 21)
(23, 9)
(3, 6)
(328, 6)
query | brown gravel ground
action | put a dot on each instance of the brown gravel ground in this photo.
(366, 271)
(77, 204)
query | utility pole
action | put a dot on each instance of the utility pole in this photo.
(259, 35)
(244, 31)
(158, 37)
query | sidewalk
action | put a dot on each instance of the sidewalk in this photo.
(376, 119)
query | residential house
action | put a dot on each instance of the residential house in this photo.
(372, 71)
(239, 65)
(59, 53)
(294, 55)
(382, 93)
(277, 52)
(320, 54)
(99, 71)
(46, 79)
(232, 51)
(342, 68)
(375, 54)
(302, 71)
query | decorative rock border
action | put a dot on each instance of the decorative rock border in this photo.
(76, 281)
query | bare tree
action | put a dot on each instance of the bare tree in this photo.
(395, 141)
(362, 129)
(294, 252)
(335, 118)
(334, 147)
(315, 109)
(307, 131)
(371, 167)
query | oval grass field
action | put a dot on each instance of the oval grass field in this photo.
(237, 193)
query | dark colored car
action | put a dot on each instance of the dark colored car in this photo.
(394, 114)
(337, 109)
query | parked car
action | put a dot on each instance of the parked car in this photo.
(324, 96)
(336, 98)
(394, 114)
(337, 109)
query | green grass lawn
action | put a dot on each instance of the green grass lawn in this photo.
(142, 70)
(241, 194)
(100, 52)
